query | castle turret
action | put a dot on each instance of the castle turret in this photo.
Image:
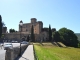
(21, 26)
(33, 20)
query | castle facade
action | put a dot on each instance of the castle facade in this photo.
(25, 30)
(26, 27)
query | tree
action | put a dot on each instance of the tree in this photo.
(56, 36)
(3, 24)
(0, 26)
(11, 30)
(2, 36)
(53, 29)
(32, 34)
(50, 33)
(68, 37)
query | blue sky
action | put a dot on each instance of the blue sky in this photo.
(57, 13)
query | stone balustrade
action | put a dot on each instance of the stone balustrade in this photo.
(14, 53)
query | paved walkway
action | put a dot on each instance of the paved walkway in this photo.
(28, 54)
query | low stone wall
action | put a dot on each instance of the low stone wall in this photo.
(14, 53)
(16, 36)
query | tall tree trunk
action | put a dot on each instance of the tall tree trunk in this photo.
(0, 26)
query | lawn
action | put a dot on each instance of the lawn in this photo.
(50, 52)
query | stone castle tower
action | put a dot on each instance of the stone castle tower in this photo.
(38, 25)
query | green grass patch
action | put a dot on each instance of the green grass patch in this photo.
(48, 51)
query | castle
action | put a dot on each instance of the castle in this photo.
(25, 30)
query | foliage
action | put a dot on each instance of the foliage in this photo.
(56, 36)
(50, 52)
(2, 36)
(32, 34)
(50, 33)
(16, 31)
(3, 24)
(0, 26)
(11, 30)
(53, 29)
(68, 37)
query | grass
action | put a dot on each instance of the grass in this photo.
(48, 51)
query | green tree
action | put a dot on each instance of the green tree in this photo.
(56, 36)
(53, 29)
(9, 30)
(2, 36)
(32, 34)
(12, 30)
(0, 26)
(68, 37)
(3, 24)
(50, 33)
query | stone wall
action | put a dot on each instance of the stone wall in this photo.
(38, 25)
(42, 36)
(14, 53)
(16, 36)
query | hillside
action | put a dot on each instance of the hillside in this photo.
(48, 51)
(78, 35)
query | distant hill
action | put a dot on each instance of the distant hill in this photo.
(78, 35)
